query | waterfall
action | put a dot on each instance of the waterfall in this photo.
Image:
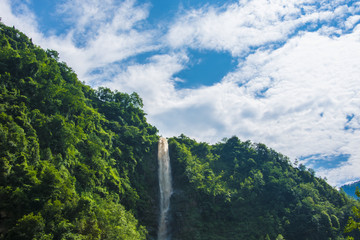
(165, 188)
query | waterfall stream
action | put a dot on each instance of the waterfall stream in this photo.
(165, 188)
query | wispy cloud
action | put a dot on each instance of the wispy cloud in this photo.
(94, 18)
(21, 17)
(245, 25)
(294, 96)
(296, 99)
(100, 32)
(295, 86)
(154, 80)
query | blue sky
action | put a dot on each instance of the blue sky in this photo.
(284, 73)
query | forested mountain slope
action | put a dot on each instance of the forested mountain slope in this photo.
(79, 163)
(241, 190)
(74, 161)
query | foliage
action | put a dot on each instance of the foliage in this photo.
(72, 158)
(79, 163)
(352, 224)
(242, 190)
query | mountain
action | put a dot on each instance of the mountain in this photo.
(74, 161)
(242, 190)
(80, 163)
(350, 189)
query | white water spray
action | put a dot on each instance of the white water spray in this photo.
(165, 188)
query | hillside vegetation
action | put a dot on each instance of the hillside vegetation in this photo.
(79, 163)
(73, 160)
(241, 190)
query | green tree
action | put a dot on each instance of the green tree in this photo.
(29, 227)
(352, 224)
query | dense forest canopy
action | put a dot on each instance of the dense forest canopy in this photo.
(79, 163)
(71, 163)
(242, 190)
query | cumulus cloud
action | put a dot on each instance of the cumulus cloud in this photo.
(296, 87)
(352, 21)
(296, 99)
(244, 25)
(153, 80)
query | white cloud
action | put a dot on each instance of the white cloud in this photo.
(244, 25)
(293, 88)
(309, 87)
(24, 20)
(101, 32)
(115, 33)
(152, 80)
(352, 21)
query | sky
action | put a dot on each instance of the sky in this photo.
(283, 73)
